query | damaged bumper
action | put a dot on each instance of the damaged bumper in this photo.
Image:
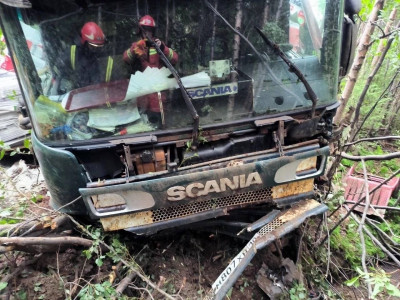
(179, 198)
(282, 224)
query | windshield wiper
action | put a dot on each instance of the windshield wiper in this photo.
(263, 60)
(292, 68)
(186, 96)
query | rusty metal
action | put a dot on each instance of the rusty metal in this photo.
(292, 188)
(128, 158)
(271, 121)
(286, 222)
(191, 167)
(136, 140)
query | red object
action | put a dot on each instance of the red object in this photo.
(355, 190)
(92, 33)
(7, 64)
(97, 95)
(147, 21)
(123, 131)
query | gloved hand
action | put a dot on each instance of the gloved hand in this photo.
(140, 49)
(160, 44)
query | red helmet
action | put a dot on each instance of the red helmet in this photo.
(92, 33)
(147, 21)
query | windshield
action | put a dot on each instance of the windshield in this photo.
(99, 70)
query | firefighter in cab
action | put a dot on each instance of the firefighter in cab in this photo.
(81, 66)
(142, 54)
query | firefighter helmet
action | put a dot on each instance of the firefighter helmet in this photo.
(92, 33)
(147, 21)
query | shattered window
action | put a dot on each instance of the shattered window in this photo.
(104, 70)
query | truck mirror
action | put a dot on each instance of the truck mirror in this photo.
(348, 47)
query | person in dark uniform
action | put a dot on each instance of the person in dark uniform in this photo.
(80, 67)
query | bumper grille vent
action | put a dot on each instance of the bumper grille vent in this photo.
(184, 210)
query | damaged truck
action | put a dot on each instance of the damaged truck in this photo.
(242, 120)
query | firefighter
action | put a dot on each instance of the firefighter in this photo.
(141, 55)
(81, 65)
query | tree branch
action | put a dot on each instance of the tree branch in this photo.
(370, 157)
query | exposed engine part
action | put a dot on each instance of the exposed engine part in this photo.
(150, 161)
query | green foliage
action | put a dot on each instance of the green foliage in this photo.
(5, 148)
(3, 285)
(347, 241)
(298, 292)
(2, 44)
(379, 280)
(98, 291)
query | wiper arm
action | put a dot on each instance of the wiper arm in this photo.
(292, 68)
(186, 96)
(259, 55)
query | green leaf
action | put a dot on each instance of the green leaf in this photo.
(2, 153)
(3, 285)
(353, 281)
(392, 290)
(27, 143)
(99, 262)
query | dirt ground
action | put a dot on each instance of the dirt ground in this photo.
(182, 263)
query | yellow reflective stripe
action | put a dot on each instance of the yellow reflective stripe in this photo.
(129, 53)
(110, 63)
(171, 54)
(73, 51)
(153, 51)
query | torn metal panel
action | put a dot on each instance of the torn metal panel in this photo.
(280, 226)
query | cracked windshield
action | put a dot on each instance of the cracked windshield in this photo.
(112, 68)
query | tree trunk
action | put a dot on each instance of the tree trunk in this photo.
(358, 60)
(279, 11)
(167, 22)
(381, 45)
(236, 52)
(213, 32)
(354, 126)
(265, 14)
(238, 25)
(394, 109)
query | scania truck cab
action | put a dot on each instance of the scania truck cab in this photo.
(244, 116)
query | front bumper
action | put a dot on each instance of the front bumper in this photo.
(176, 199)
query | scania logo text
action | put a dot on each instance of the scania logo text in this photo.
(198, 189)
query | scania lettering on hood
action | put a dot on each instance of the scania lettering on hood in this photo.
(198, 189)
(214, 91)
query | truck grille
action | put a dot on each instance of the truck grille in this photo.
(184, 210)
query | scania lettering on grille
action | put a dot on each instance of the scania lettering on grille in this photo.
(198, 189)
(214, 91)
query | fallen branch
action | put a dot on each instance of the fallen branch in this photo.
(375, 206)
(53, 241)
(375, 240)
(370, 157)
(361, 227)
(378, 138)
(124, 283)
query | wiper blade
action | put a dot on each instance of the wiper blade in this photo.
(292, 68)
(186, 96)
(259, 55)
